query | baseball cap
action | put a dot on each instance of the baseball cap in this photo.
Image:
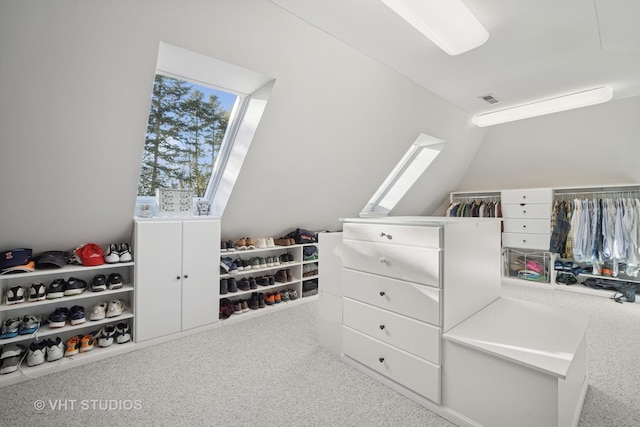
(25, 268)
(90, 254)
(14, 258)
(52, 259)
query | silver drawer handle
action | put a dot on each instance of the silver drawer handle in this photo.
(383, 260)
(388, 236)
(381, 359)
(381, 293)
(381, 326)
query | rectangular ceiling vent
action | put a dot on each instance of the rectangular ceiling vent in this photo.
(490, 99)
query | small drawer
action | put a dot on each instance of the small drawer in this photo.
(417, 338)
(528, 226)
(410, 371)
(418, 265)
(527, 211)
(409, 299)
(526, 241)
(529, 195)
(426, 237)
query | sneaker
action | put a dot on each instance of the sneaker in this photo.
(29, 324)
(12, 350)
(253, 301)
(269, 299)
(281, 276)
(99, 283)
(225, 264)
(276, 261)
(270, 242)
(261, 303)
(55, 349)
(58, 318)
(231, 284)
(10, 328)
(263, 262)
(250, 243)
(237, 307)
(261, 243)
(125, 253)
(243, 284)
(74, 286)
(123, 333)
(36, 353)
(56, 289)
(269, 261)
(14, 295)
(272, 280)
(282, 241)
(255, 263)
(241, 244)
(10, 364)
(224, 287)
(107, 335)
(231, 247)
(99, 311)
(87, 343)
(263, 281)
(252, 283)
(115, 308)
(37, 292)
(293, 294)
(245, 306)
(284, 295)
(276, 297)
(223, 246)
(73, 346)
(76, 315)
(112, 256)
(114, 281)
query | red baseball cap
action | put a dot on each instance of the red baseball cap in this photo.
(90, 254)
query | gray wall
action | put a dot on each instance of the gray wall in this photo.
(75, 85)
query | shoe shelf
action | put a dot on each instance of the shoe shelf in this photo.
(66, 270)
(68, 329)
(28, 306)
(260, 289)
(267, 309)
(98, 353)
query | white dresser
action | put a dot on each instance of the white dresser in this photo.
(406, 280)
(527, 218)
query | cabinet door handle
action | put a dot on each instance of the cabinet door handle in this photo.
(177, 277)
(381, 293)
(381, 326)
(523, 204)
(524, 241)
(388, 236)
(186, 276)
(524, 212)
(381, 359)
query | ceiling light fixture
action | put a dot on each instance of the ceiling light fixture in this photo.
(548, 106)
(447, 23)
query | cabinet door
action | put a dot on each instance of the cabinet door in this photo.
(200, 272)
(158, 279)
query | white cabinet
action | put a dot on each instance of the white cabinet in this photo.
(406, 280)
(177, 275)
(527, 218)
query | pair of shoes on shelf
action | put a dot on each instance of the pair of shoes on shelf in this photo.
(48, 350)
(245, 243)
(284, 241)
(113, 308)
(116, 254)
(101, 283)
(10, 357)
(63, 288)
(283, 276)
(264, 243)
(227, 246)
(75, 314)
(120, 333)
(80, 344)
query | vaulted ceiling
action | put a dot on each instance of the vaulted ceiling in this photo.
(537, 49)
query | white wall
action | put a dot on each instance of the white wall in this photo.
(75, 85)
(590, 146)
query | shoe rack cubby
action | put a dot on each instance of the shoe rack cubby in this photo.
(44, 308)
(302, 277)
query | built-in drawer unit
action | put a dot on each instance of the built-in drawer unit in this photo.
(417, 338)
(529, 196)
(412, 372)
(409, 299)
(414, 264)
(396, 234)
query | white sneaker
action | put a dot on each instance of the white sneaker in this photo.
(112, 256)
(270, 243)
(99, 311)
(14, 295)
(123, 333)
(115, 308)
(107, 334)
(36, 353)
(261, 243)
(55, 349)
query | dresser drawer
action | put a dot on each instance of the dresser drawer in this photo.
(426, 237)
(419, 265)
(529, 195)
(528, 226)
(526, 241)
(409, 299)
(406, 369)
(541, 211)
(417, 338)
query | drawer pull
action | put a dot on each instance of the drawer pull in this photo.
(524, 212)
(388, 236)
(383, 260)
(524, 241)
(178, 278)
(381, 359)
(523, 204)
(524, 226)
(381, 293)
(381, 326)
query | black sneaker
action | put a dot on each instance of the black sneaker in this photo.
(74, 286)
(38, 292)
(99, 283)
(231, 284)
(56, 289)
(76, 314)
(58, 318)
(114, 281)
(254, 304)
